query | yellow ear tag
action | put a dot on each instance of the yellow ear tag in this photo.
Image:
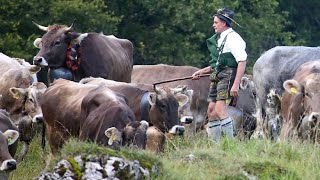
(16, 96)
(293, 90)
(180, 103)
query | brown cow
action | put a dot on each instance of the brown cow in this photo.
(105, 109)
(61, 106)
(149, 74)
(300, 106)
(8, 144)
(163, 113)
(245, 107)
(73, 56)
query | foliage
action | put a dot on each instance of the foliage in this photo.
(162, 31)
(17, 31)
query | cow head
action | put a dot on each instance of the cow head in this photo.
(164, 108)
(134, 134)
(7, 138)
(29, 98)
(185, 113)
(53, 45)
(310, 89)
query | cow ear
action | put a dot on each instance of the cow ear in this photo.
(73, 35)
(152, 98)
(17, 92)
(37, 43)
(244, 83)
(34, 69)
(292, 86)
(40, 86)
(11, 136)
(182, 99)
(113, 134)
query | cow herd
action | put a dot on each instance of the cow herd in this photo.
(96, 94)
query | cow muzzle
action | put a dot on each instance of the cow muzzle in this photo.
(177, 130)
(39, 61)
(314, 117)
(37, 118)
(8, 165)
(186, 119)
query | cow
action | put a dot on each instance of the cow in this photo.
(8, 144)
(300, 105)
(271, 70)
(158, 108)
(198, 93)
(73, 55)
(107, 114)
(71, 109)
(149, 74)
(14, 75)
(20, 95)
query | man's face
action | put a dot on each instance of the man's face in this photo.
(219, 25)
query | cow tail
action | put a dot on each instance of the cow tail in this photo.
(43, 137)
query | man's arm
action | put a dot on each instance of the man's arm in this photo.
(196, 75)
(240, 72)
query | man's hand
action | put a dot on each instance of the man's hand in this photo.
(197, 74)
(234, 92)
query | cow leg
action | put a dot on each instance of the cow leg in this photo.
(55, 139)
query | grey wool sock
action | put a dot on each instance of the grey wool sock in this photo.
(214, 130)
(227, 127)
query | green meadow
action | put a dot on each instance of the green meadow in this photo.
(196, 158)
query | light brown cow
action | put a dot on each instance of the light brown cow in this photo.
(8, 144)
(14, 74)
(300, 106)
(105, 109)
(162, 105)
(84, 110)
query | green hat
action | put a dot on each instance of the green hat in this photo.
(226, 15)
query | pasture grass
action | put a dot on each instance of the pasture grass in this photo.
(198, 158)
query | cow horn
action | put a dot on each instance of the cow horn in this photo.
(43, 28)
(70, 27)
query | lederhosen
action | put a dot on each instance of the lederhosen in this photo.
(225, 69)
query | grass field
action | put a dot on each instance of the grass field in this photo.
(199, 158)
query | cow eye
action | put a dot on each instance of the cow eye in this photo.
(308, 94)
(31, 100)
(56, 43)
(163, 107)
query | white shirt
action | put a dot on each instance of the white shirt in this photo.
(234, 44)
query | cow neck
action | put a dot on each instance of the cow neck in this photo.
(145, 107)
(73, 56)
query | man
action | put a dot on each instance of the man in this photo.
(228, 63)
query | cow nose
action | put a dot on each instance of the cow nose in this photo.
(11, 164)
(177, 130)
(37, 60)
(186, 119)
(314, 117)
(37, 118)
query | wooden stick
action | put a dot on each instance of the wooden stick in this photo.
(177, 79)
